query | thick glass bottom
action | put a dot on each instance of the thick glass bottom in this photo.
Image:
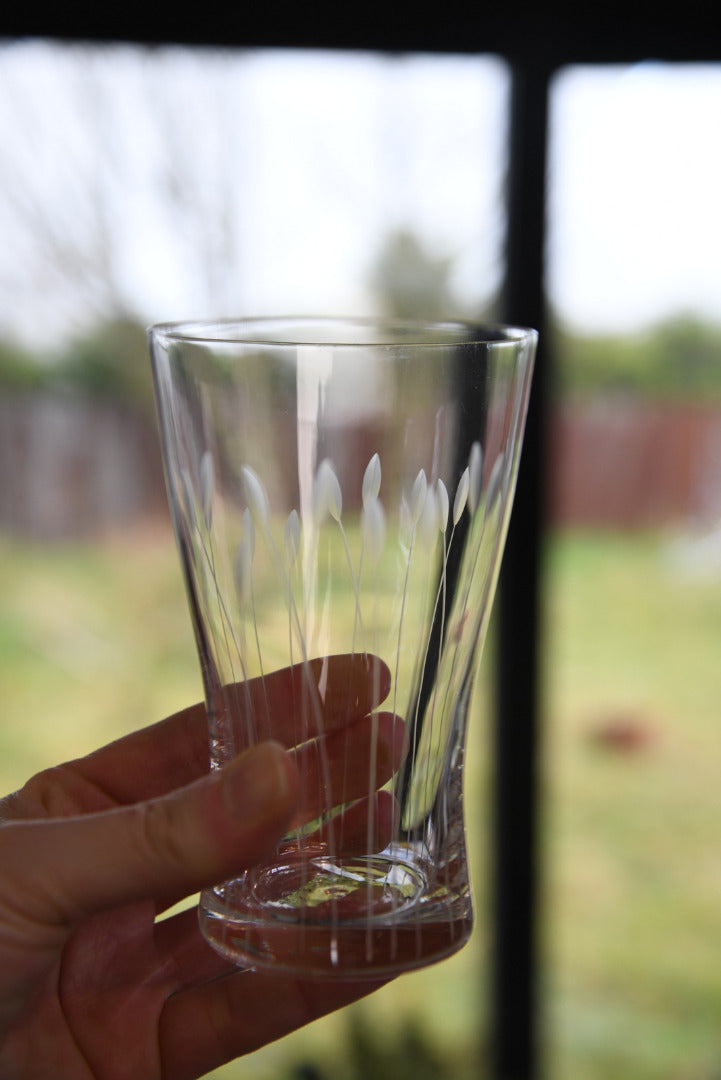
(368, 917)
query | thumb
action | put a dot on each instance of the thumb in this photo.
(64, 869)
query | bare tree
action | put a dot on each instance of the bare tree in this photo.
(96, 185)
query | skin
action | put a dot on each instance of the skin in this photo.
(92, 983)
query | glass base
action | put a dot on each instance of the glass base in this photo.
(319, 917)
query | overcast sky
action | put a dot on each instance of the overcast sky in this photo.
(255, 182)
(635, 194)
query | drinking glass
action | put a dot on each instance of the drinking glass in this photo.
(340, 492)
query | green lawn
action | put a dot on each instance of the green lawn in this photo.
(95, 641)
(632, 834)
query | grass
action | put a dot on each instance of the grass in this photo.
(95, 641)
(632, 924)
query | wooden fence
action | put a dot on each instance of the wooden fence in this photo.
(633, 464)
(72, 468)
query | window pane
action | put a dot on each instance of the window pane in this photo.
(634, 575)
(142, 185)
(168, 182)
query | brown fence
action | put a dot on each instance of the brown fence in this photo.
(71, 468)
(628, 463)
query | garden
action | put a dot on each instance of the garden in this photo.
(95, 641)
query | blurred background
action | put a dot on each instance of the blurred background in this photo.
(140, 184)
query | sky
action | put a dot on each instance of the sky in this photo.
(635, 194)
(207, 183)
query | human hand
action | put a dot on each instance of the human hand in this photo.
(92, 983)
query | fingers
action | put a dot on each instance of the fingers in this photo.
(207, 1026)
(326, 693)
(348, 764)
(365, 827)
(169, 846)
(303, 701)
(368, 825)
(149, 763)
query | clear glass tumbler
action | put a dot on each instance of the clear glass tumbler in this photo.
(340, 492)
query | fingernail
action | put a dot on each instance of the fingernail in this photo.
(257, 784)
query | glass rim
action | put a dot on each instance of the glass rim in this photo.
(383, 331)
